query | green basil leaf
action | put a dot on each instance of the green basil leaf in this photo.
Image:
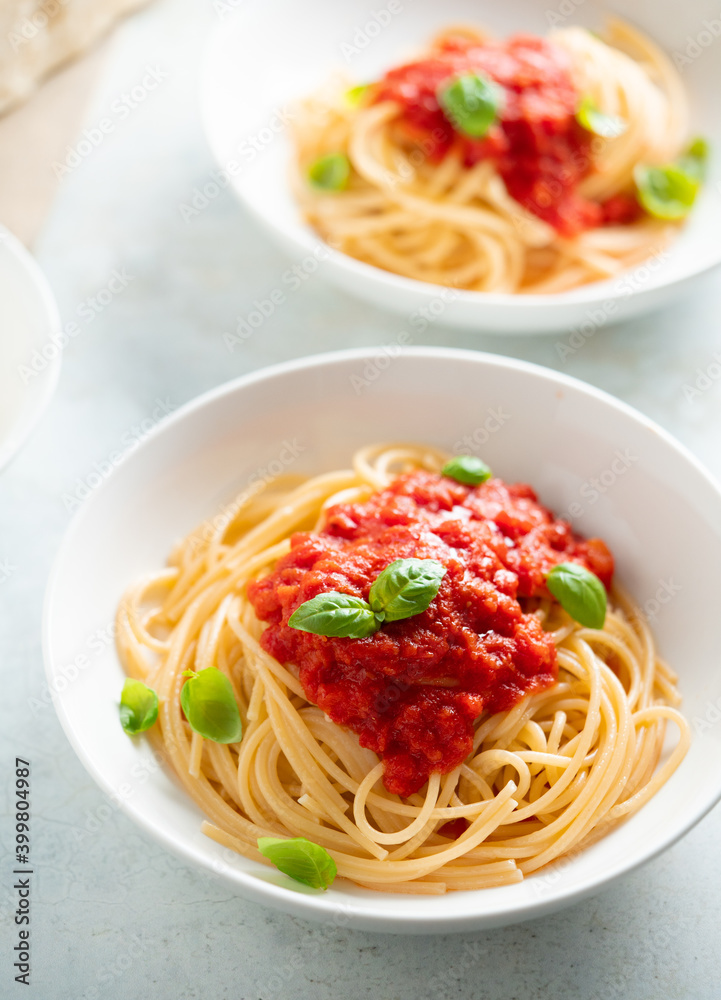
(471, 103)
(301, 859)
(337, 615)
(694, 160)
(355, 94)
(579, 592)
(406, 588)
(330, 173)
(593, 120)
(666, 192)
(467, 469)
(210, 707)
(138, 707)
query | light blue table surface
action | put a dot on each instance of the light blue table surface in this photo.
(114, 915)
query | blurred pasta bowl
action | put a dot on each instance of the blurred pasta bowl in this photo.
(308, 417)
(29, 354)
(263, 60)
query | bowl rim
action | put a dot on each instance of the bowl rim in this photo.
(324, 907)
(20, 431)
(307, 239)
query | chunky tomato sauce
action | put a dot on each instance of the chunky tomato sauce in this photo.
(412, 690)
(538, 147)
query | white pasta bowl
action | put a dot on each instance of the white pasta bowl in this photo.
(621, 476)
(29, 360)
(268, 55)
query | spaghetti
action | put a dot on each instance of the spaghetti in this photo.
(554, 771)
(537, 204)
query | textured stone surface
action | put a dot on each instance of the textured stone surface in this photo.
(113, 914)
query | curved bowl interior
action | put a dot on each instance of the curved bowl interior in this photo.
(620, 475)
(28, 318)
(262, 60)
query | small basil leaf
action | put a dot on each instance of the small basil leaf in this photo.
(301, 859)
(330, 173)
(355, 95)
(138, 707)
(210, 707)
(579, 592)
(337, 615)
(593, 120)
(406, 588)
(666, 192)
(467, 469)
(694, 160)
(471, 103)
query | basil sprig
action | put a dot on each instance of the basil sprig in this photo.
(336, 614)
(301, 859)
(330, 173)
(694, 160)
(665, 192)
(467, 469)
(593, 120)
(669, 192)
(471, 103)
(579, 592)
(405, 588)
(210, 707)
(138, 707)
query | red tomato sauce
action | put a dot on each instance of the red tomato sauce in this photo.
(536, 144)
(412, 690)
